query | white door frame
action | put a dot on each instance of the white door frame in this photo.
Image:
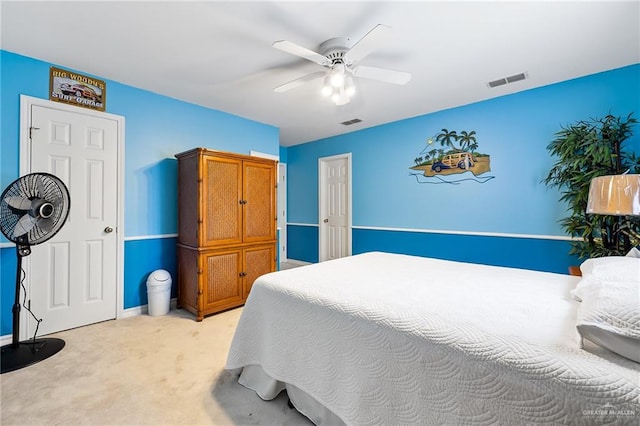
(322, 200)
(282, 210)
(26, 102)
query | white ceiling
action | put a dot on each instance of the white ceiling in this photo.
(219, 54)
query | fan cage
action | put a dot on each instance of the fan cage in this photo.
(32, 186)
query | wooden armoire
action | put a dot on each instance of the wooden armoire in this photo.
(226, 228)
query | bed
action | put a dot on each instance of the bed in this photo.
(392, 339)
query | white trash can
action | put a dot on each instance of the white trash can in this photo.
(159, 292)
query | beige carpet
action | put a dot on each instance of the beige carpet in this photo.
(165, 370)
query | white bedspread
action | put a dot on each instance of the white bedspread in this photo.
(391, 339)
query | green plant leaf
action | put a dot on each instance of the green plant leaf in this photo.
(584, 150)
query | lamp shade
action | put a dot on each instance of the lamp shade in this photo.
(616, 195)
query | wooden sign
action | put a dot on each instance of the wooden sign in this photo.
(77, 89)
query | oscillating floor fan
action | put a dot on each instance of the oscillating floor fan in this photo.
(32, 210)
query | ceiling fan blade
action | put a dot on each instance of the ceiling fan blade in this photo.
(19, 203)
(299, 81)
(24, 225)
(303, 52)
(381, 74)
(367, 44)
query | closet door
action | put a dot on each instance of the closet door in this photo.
(221, 201)
(259, 215)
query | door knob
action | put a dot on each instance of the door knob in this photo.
(326, 221)
(108, 229)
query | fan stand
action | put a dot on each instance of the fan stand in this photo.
(18, 354)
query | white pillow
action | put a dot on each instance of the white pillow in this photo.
(609, 314)
(613, 268)
(634, 252)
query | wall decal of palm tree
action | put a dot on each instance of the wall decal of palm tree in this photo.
(468, 141)
(458, 155)
(446, 138)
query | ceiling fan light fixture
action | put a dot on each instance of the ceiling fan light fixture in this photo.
(349, 86)
(340, 97)
(337, 80)
(337, 75)
(342, 93)
(327, 89)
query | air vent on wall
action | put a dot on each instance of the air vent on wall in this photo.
(350, 122)
(505, 80)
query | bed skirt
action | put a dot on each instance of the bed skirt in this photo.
(255, 378)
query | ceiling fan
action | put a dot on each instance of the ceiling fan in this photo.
(342, 65)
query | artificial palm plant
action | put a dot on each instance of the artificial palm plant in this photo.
(584, 150)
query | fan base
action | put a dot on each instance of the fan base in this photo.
(28, 353)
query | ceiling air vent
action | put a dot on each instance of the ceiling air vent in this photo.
(516, 77)
(350, 122)
(506, 80)
(496, 83)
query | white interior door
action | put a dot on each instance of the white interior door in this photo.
(72, 278)
(335, 207)
(282, 210)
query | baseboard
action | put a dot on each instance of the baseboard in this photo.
(144, 309)
(5, 340)
(297, 262)
(127, 313)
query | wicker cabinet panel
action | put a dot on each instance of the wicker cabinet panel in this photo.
(222, 279)
(226, 228)
(256, 261)
(222, 218)
(260, 209)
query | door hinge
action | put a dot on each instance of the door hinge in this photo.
(31, 129)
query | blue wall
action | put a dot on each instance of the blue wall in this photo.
(140, 258)
(511, 220)
(156, 128)
(518, 212)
